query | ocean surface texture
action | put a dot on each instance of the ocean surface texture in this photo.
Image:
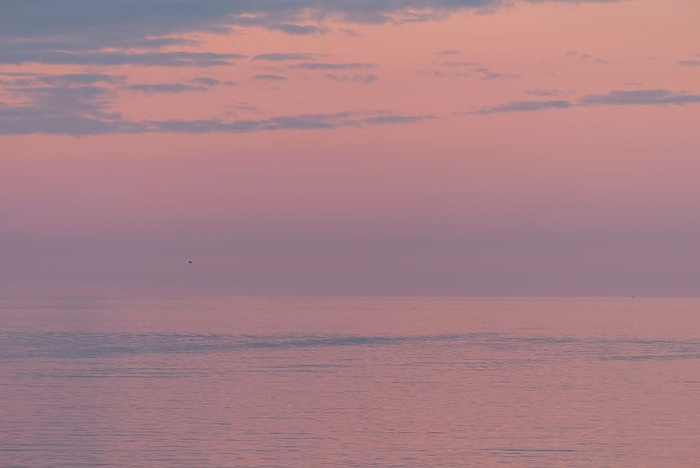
(373, 382)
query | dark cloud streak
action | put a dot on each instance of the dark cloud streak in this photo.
(296, 122)
(155, 59)
(525, 106)
(332, 66)
(469, 69)
(80, 111)
(80, 79)
(165, 88)
(269, 77)
(280, 57)
(642, 97)
(354, 78)
(639, 97)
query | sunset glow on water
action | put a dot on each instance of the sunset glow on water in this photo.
(350, 382)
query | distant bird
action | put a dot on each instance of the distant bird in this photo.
(190, 262)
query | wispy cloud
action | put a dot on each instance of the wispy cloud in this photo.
(525, 106)
(18, 120)
(294, 122)
(452, 68)
(281, 57)
(88, 99)
(244, 107)
(206, 81)
(153, 59)
(548, 92)
(82, 109)
(333, 66)
(79, 79)
(658, 97)
(353, 78)
(199, 84)
(150, 88)
(81, 104)
(691, 62)
(584, 57)
(297, 29)
(642, 97)
(269, 77)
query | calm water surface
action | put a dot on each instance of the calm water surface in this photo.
(424, 382)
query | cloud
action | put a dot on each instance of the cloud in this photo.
(547, 92)
(206, 81)
(200, 84)
(22, 18)
(269, 77)
(396, 119)
(245, 106)
(471, 69)
(349, 32)
(525, 106)
(689, 63)
(354, 78)
(75, 104)
(642, 97)
(64, 100)
(332, 66)
(456, 64)
(297, 29)
(60, 109)
(583, 57)
(80, 79)
(160, 59)
(296, 122)
(18, 120)
(116, 32)
(35, 84)
(488, 74)
(81, 104)
(279, 57)
(152, 88)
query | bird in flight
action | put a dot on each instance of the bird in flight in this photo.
(190, 262)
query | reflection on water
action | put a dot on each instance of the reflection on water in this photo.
(349, 382)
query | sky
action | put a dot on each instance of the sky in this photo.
(350, 147)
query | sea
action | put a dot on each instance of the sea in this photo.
(203, 382)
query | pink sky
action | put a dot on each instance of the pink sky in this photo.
(457, 148)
